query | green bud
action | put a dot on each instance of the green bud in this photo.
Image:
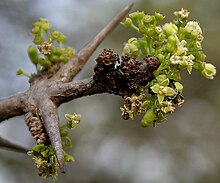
(57, 51)
(200, 56)
(55, 35)
(209, 71)
(127, 22)
(62, 38)
(33, 54)
(142, 29)
(63, 132)
(43, 20)
(45, 63)
(150, 32)
(19, 72)
(45, 26)
(147, 19)
(137, 15)
(36, 30)
(159, 16)
(148, 118)
(38, 40)
(171, 44)
(170, 29)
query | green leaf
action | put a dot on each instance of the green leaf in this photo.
(67, 157)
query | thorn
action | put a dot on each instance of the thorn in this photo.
(12, 146)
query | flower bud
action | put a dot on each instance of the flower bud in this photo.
(148, 118)
(33, 55)
(55, 35)
(127, 22)
(171, 43)
(170, 29)
(193, 29)
(137, 15)
(38, 40)
(147, 19)
(209, 71)
(159, 16)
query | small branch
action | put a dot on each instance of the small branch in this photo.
(72, 68)
(11, 146)
(12, 106)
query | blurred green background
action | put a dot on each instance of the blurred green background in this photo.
(107, 149)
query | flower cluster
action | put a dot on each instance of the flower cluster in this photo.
(48, 49)
(178, 46)
(43, 153)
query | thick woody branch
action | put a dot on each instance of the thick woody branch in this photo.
(72, 68)
(68, 91)
(13, 106)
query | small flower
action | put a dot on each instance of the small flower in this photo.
(197, 45)
(174, 59)
(181, 49)
(167, 107)
(158, 29)
(209, 71)
(182, 14)
(45, 48)
(161, 88)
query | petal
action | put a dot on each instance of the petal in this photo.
(170, 91)
(189, 69)
(160, 98)
(179, 86)
(155, 88)
(161, 78)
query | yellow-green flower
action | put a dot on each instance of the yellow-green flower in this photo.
(162, 89)
(209, 71)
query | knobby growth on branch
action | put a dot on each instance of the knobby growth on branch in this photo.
(147, 77)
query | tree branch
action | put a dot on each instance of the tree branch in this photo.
(49, 89)
(72, 68)
(13, 106)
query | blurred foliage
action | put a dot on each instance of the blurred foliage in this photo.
(107, 148)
